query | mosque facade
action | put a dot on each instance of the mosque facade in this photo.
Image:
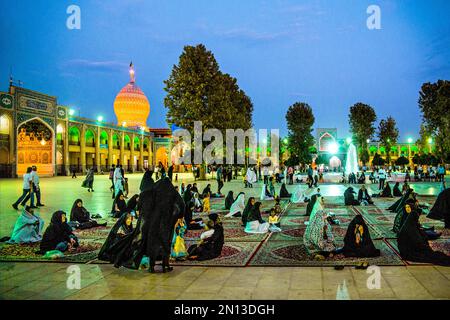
(36, 130)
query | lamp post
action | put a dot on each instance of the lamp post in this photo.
(430, 141)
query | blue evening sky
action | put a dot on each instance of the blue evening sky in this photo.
(281, 51)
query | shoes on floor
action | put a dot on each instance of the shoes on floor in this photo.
(40, 205)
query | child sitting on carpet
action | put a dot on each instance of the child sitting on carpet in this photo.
(274, 221)
(206, 203)
(277, 206)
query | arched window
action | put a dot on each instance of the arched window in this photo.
(104, 139)
(137, 144)
(74, 136)
(4, 124)
(116, 141)
(90, 138)
(127, 142)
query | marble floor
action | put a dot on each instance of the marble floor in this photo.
(54, 280)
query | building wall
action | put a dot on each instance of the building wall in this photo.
(77, 143)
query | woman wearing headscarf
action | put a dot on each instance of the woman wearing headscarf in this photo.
(441, 208)
(179, 251)
(300, 196)
(357, 241)
(396, 206)
(119, 206)
(133, 205)
(79, 214)
(118, 181)
(349, 198)
(255, 222)
(28, 227)
(284, 193)
(363, 196)
(271, 188)
(122, 228)
(147, 181)
(311, 204)
(396, 190)
(238, 206)
(413, 243)
(206, 191)
(387, 192)
(318, 237)
(58, 235)
(89, 180)
(250, 177)
(247, 210)
(229, 199)
(210, 247)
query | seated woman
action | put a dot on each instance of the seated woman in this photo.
(265, 193)
(372, 178)
(179, 251)
(122, 228)
(58, 235)
(413, 244)
(405, 188)
(28, 227)
(300, 196)
(229, 200)
(192, 224)
(362, 178)
(255, 223)
(441, 208)
(396, 190)
(82, 217)
(210, 246)
(363, 196)
(198, 204)
(349, 198)
(357, 240)
(277, 206)
(271, 188)
(238, 206)
(119, 206)
(318, 237)
(310, 205)
(250, 203)
(284, 193)
(205, 191)
(206, 202)
(398, 205)
(132, 205)
(387, 192)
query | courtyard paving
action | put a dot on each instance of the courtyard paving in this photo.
(48, 280)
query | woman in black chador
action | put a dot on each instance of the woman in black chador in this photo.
(357, 241)
(229, 200)
(147, 180)
(82, 216)
(248, 208)
(310, 205)
(413, 243)
(387, 192)
(400, 203)
(161, 207)
(284, 193)
(123, 228)
(58, 235)
(119, 206)
(349, 198)
(396, 190)
(441, 208)
(210, 247)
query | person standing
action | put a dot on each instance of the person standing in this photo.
(111, 177)
(27, 190)
(266, 175)
(89, 181)
(382, 178)
(36, 187)
(291, 175)
(117, 179)
(170, 172)
(74, 172)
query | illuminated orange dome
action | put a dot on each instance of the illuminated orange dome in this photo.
(131, 105)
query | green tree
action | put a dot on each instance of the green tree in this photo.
(388, 135)
(402, 161)
(198, 91)
(300, 120)
(423, 141)
(434, 103)
(362, 118)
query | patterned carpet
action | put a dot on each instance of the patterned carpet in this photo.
(273, 249)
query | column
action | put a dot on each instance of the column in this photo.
(97, 150)
(110, 148)
(132, 153)
(83, 148)
(122, 148)
(141, 155)
(66, 147)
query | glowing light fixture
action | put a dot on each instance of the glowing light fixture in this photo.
(410, 140)
(71, 112)
(124, 124)
(285, 140)
(349, 140)
(100, 118)
(43, 142)
(430, 140)
(333, 148)
(368, 140)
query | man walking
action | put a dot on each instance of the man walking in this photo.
(382, 178)
(27, 190)
(36, 187)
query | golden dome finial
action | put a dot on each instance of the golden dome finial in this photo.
(132, 79)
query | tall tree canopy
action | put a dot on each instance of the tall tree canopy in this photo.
(434, 102)
(362, 118)
(300, 120)
(388, 135)
(198, 91)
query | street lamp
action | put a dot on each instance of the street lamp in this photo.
(71, 112)
(349, 140)
(430, 141)
(410, 140)
(100, 118)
